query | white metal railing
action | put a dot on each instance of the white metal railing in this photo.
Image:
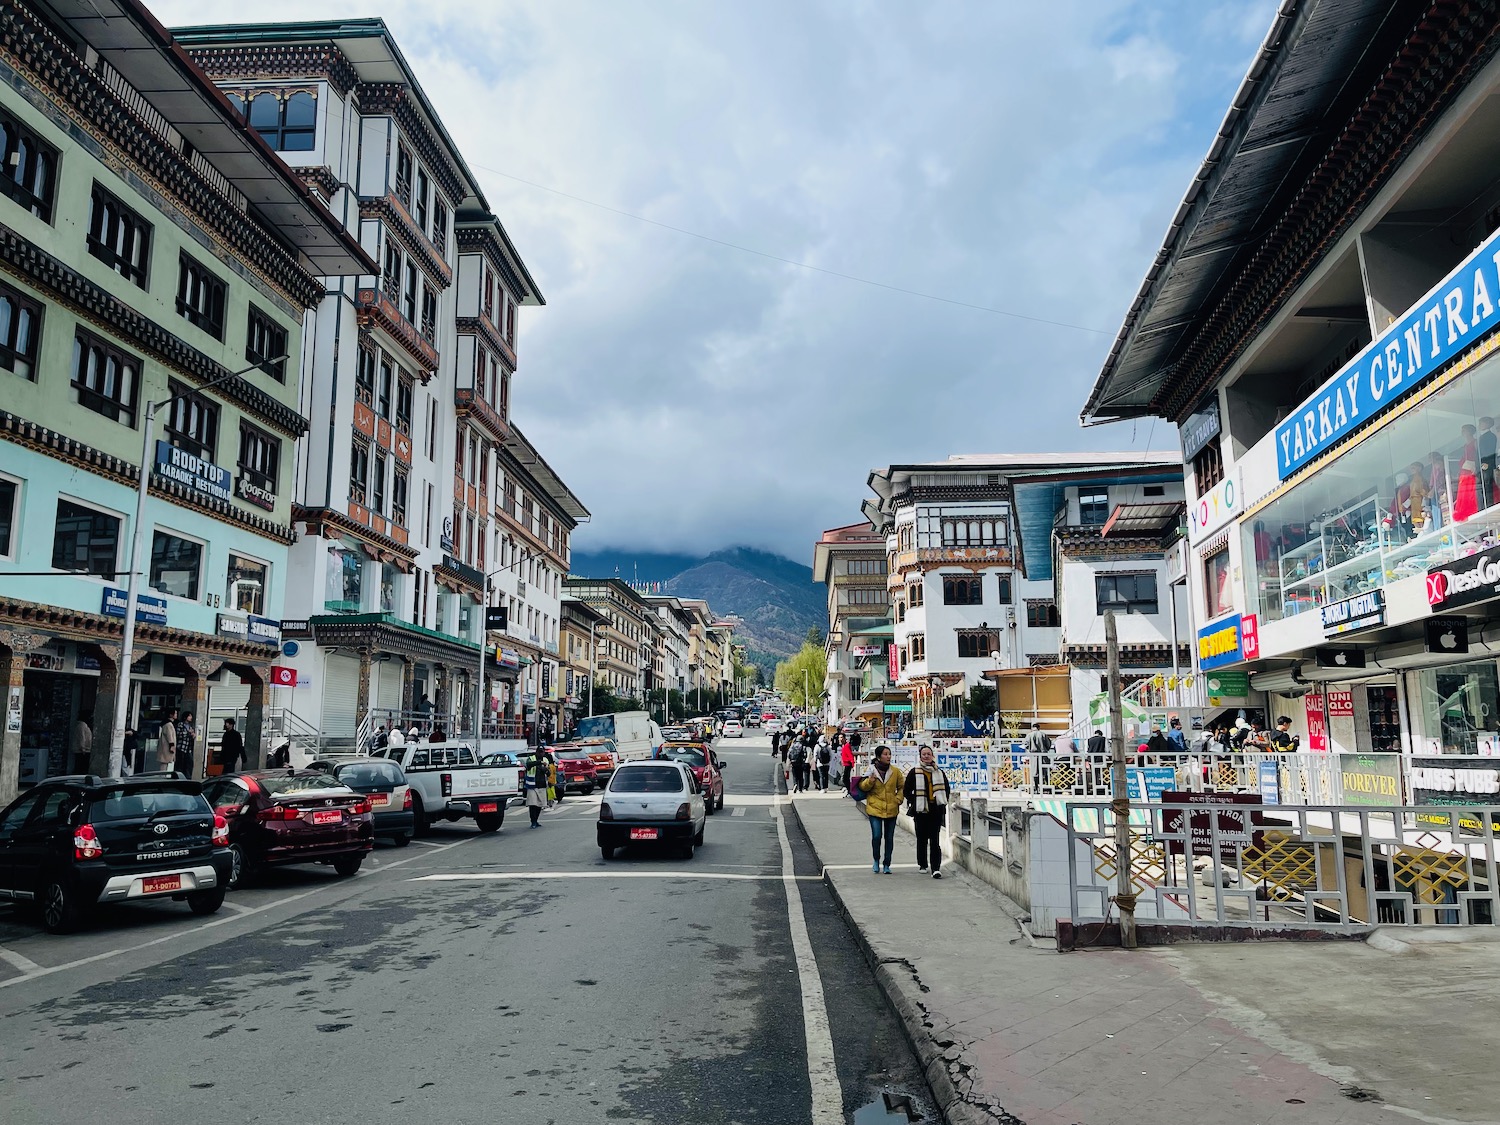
(1150, 699)
(1302, 778)
(1324, 867)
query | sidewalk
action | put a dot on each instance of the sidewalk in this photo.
(1009, 1032)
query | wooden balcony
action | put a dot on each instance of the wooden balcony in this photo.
(471, 405)
(375, 309)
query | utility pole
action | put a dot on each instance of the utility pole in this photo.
(1124, 891)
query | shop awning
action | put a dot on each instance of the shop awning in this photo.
(1142, 519)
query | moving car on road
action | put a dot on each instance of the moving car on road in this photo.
(71, 843)
(699, 757)
(291, 816)
(771, 724)
(733, 728)
(384, 784)
(652, 803)
(575, 769)
(449, 782)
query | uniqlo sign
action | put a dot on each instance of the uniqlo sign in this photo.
(1250, 636)
(283, 677)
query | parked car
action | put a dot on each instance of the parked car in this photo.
(699, 757)
(575, 770)
(291, 816)
(733, 728)
(72, 843)
(652, 802)
(385, 785)
(449, 782)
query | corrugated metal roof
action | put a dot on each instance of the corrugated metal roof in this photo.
(1280, 121)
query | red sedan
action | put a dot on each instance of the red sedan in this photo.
(291, 816)
(576, 770)
(699, 758)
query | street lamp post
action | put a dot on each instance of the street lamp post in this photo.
(138, 533)
(484, 633)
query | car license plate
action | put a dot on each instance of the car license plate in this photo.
(161, 884)
(380, 798)
(643, 833)
(488, 806)
(330, 816)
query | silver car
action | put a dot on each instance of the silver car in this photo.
(652, 802)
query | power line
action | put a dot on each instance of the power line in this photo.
(788, 261)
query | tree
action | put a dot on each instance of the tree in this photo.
(981, 703)
(814, 637)
(799, 678)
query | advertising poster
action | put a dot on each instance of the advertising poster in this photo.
(968, 771)
(1235, 826)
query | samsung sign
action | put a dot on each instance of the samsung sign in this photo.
(1459, 310)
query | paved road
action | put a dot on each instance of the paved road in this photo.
(467, 976)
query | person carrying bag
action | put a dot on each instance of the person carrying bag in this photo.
(882, 803)
(927, 794)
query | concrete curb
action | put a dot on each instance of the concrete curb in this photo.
(941, 1058)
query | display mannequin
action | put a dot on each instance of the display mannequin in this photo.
(1401, 509)
(1487, 449)
(1466, 491)
(1437, 489)
(1419, 497)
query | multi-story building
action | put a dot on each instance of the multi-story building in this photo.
(628, 635)
(408, 370)
(674, 648)
(965, 607)
(1321, 327)
(851, 562)
(578, 641)
(152, 243)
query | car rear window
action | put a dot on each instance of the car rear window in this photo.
(146, 800)
(305, 783)
(689, 754)
(572, 754)
(647, 779)
(371, 773)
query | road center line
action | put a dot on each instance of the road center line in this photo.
(822, 1074)
(552, 876)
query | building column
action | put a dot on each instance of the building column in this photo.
(255, 713)
(408, 685)
(362, 696)
(195, 699)
(14, 645)
(103, 719)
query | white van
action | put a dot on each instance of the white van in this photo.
(636, 735)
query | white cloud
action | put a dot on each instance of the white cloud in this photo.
(1024, 158)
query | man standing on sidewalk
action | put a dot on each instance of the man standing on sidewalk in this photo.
(882, 803)
(926, 791)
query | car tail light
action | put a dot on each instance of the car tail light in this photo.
(683, 812)
(221, 831)
(279, 812)
(406, 800)
(447, 780)
(359, 808)
(86, 843)
(605, 812)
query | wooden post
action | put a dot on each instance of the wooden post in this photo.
(1124, 892)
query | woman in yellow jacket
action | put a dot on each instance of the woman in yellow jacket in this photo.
(882, 804)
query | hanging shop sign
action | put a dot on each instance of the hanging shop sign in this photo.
(193, 472)
(866, 650)
(1359, 612)
(1317, 729)
(247, 489)
(1232, 828)
(507, 658)
(1340, 703)
(1453, 315)
(1215, 508)
(1250, 636)
(445, 539)
(894, 665)
(298, 627)
(1330, 657)
(1371, 779)
(1201, 427)
(1236, 685)
(1219, 644)
(1448, 635)
(1439, 781)
(282, 676)
(149, 609)
(1464, 581)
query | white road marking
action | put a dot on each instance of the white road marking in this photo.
(16, 961)
(237, 906)
(827, 1091)
(552, 876)
(178, 935)
(739, 811)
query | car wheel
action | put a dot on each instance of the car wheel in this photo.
(687, 850)
(239, 868)
(589, 791)
(607, 851)
(420, 824)
(206, 902)
(721, 799)
(347, 865)
(698, 839)
(60, 914)
(708, 806)
(402, 840)
(489, 821)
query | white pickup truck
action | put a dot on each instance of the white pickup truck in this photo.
(448, 783)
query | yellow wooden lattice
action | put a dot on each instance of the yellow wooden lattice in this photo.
(1285, 865)
(1148, 863)
(1429, 873)
(1225, 776)
(1062, 777)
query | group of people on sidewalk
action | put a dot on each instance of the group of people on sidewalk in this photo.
(809, 757)
(926, 792)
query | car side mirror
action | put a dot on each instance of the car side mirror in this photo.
(718, 763)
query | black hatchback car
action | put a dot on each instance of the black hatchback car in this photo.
(72, 843)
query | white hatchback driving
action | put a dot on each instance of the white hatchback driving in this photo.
(655, 802)
(733, 728)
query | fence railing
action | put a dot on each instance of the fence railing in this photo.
(1324, 867)
(1301, 778)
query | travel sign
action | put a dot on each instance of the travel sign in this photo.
(1454, 314)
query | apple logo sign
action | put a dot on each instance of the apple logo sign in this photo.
(1448, 640)
(1341, 658)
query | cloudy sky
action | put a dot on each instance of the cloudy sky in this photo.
(1023, 158)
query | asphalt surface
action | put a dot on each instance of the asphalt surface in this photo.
(462, 978)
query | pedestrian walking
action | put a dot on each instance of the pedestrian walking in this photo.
(825, 756)
(855, 743)
(776, 744)
(231, 749)
(536, 789)
(798, 759)
(166, 742)
(83, 745)
(882, 791)
(131, 763)
(1096, 743)
(1036, 741)
(846, 760)
(187, 736)
(926, 791)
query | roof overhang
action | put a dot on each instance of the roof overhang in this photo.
(129, 38)
(525, 455)
(1142, 519)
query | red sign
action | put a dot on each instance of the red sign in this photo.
(1317, 733)
(1340, 703)
(895, 662)
(283, 677)
(1235, 825)
(1250, 636)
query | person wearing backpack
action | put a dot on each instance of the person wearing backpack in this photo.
(825, 756)
(797, 756)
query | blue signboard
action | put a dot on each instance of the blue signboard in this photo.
(151, 610)
(1455, 313)
(193, 472)
(1219, 644)
(1148, 783)
(1270, 782)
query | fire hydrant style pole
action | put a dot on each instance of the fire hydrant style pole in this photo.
(1124, 892)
